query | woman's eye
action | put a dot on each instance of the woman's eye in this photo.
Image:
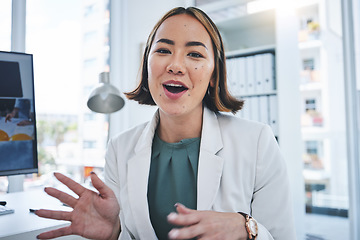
(195, 55)
(163, 51)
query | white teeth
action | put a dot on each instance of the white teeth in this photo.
(174, 85)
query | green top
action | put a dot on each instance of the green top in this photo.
(172, 179)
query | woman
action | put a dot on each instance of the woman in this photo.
(190, 172)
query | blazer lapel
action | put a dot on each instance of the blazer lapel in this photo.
(138, 174)
(210, 165)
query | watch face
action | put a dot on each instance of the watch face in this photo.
(253, 227)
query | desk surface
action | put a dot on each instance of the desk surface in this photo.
(23, 225)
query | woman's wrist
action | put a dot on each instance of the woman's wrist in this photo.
(242, 228)
(116, 231)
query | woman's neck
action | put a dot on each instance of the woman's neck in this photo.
(174, 128)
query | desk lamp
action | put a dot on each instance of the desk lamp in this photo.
(105, 98)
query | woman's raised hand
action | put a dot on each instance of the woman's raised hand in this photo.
(206, 224)
(94, 215)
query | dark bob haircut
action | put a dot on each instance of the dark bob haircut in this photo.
(217, 98)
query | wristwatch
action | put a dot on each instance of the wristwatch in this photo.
(250, 225)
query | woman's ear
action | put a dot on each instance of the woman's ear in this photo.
(212, 82)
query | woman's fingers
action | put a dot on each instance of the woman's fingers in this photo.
(93, 216)
(55, 233)
(185, 233)
(207, 224)
(57, 215)
(180, 208)
(104, 190)
(63, 197)
(183, 219)
(71, 184)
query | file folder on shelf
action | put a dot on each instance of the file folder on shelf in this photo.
(255, 108)
(259, 74)
(264, 109)
(250, 74)
(232, 77)
(274, 123)
(246, 109)
(241, 71)
(269, 72)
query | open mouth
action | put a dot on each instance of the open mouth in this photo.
(175, 88)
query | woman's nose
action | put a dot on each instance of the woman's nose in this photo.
(176, 66)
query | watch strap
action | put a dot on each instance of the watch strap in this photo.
(247, 218)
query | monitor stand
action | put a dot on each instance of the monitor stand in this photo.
(16, 183)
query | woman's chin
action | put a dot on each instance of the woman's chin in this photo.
(173, 111)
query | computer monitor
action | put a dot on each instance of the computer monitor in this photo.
(18, 144)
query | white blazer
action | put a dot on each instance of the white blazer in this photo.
(240, 170)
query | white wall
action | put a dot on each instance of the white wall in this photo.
(287, 74)
(356, 14)
(131, 23)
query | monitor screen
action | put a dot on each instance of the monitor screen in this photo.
(18, 144)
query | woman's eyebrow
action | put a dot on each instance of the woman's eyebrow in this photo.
(188, 44)
(195, 43)
(165, 40)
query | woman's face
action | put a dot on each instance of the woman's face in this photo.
(180, 66)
